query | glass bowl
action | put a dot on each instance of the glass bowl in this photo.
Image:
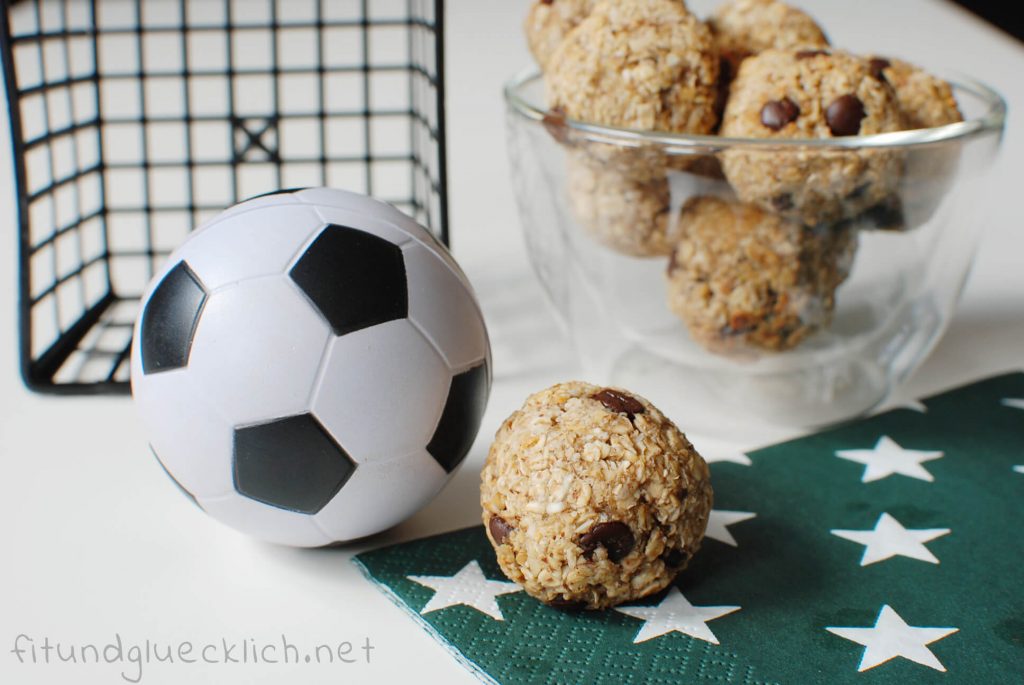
(805, 303)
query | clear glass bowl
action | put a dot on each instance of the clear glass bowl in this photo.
(805, 305)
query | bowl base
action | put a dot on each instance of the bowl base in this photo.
(727, 405)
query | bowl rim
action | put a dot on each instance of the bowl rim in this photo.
(992, 120)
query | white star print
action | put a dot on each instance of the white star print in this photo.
(676, 614)
(718, 522)
(912, 405)
(1015, 403)
(891, 637)
(470, 587)
(1019, 469)
(889, 539)
(887, 458)
(733, 457)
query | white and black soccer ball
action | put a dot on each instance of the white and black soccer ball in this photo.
(311, 366)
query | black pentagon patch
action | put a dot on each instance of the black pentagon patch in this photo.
(174, 480)
(170, 319)
(355, 279)
(460, 421)
(290, 463)
(283, 191)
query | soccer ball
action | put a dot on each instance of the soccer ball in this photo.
(311, 367)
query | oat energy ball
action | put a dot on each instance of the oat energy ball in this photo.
(924, 100)
(746, 27)
(808, 94)
(643, 64)
(548, 21)
(591, 497)
(619, 209)
(744, 278)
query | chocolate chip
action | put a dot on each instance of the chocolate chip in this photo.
(682, 494)
(554, 122)
(567, 604)
(877, 66)
(546, 2)
(614, 536)
(616, 401)
(777, 113)
(844, 115)
(500, 528)
(782, 202)
(807, 54)
(675, 557)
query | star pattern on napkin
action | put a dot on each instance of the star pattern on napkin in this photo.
(889, 539)
(731, 457)
(887, 458)
(675, 614)
(891, 637)
(912, 405)
(719, 522)
(469, 587)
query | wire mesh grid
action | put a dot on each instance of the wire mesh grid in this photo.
(133, 121)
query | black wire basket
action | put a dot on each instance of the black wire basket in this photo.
(133, 121)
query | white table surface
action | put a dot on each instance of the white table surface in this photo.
(96, 541)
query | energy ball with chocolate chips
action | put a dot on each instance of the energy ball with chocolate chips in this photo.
(592, 498)
(642, 64)
(924, 100)
(744, 279)
(548, 21)
(746, 27)
(817, 94)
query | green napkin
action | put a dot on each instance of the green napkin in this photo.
(887, 550)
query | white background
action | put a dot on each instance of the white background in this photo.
(95, 540)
